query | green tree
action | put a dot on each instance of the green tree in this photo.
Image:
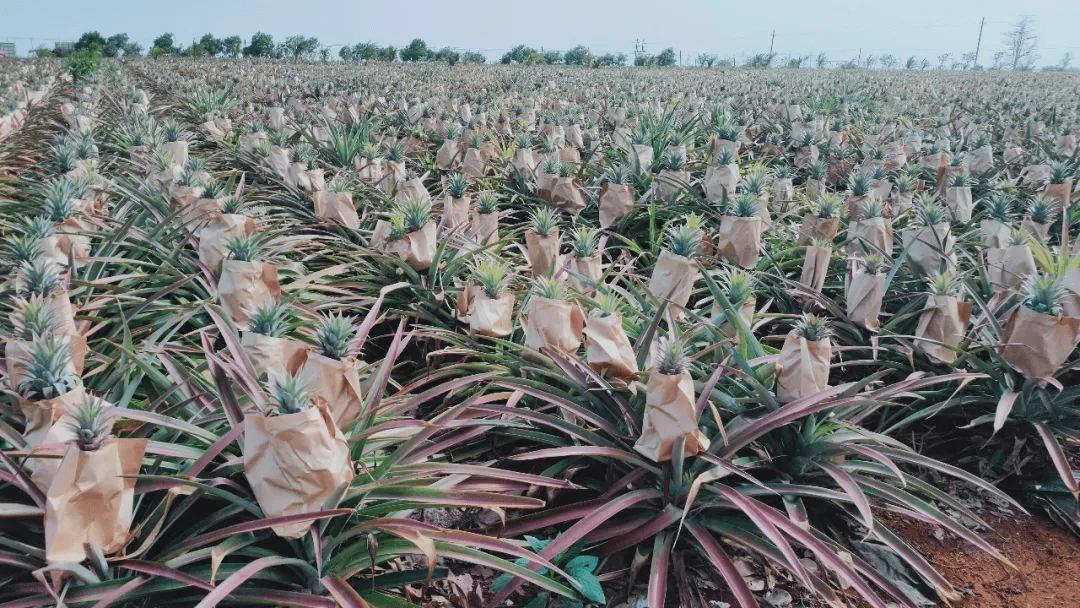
(231, 46)
(212, 46)
(90, 41)
(666, 57)
(576, 55)
(552, 57)
(346, 53)
(299, 46)
(83, 64)
(473, 57)
(706, 60)
(114, 45)
(388, 53)
(261, 45)
(608, 59)
(447, 54)
(166, 44)
(416, 51)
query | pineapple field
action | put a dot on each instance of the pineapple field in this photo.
(319, 334)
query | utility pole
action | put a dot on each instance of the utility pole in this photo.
(978, 44)
(771, 41)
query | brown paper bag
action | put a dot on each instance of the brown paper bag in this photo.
(927, 247)
(815, 267)
(47, 431)
(641, 158)
(72, 242)
(486, 316)
(591, 270)
(1007, 266)
(448, 155)
(567, 192)
(817, 228)
(553, 324)
(17, 352)
(746, 311)
(942, 326)
(958, 200)
(336, 207)
(455, 212)
(59, 305)
(485, 227)
(607, 348)
(1060, 193)
(803, 368)
(1037, 345)
(337, 382)
(525, 161)
(412, 190)
(871, 235)
(616, 202)
(738, 240)
(542, 252)
(670, 415)
(995, 233)
(269, 356)
(214, 236)
(720, 182)
(1070, 282)
(864, 294)
(474, 165)
(245, 287)
(673, 278)
(296, 463)
(668, 183)
(91, 499)
(417, 248)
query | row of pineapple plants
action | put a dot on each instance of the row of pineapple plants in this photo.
(440, 242)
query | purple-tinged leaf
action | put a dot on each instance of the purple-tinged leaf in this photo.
(659, 567)
(341, 591)
(851, 488)
(260, 524)
(724, 566)
(1061, 461)
(156, 569)
(1004, 408)
(227, 586)
(120, 592)
(756, 511)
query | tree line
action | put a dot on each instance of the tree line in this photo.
(1020, 53)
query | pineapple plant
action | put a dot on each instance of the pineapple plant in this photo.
(415, 214)
(745, 205)
(812, 328)
(487, 202)
(33, 319)
(244, 248)
(290, 394)
(684, 240)
(47, 370)
(334, 336)
(544, 222)
(671, 357)
(1043, 293)
(90, 425)
(273, 320)
(584, 242)
(493, 276)
(39, 279)
(457, 185)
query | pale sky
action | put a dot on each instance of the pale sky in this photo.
(840, 28)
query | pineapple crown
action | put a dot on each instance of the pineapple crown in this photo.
(1042, 210)
(273, 320)
(745, 205)
(817, 170)
(929, 212)
(552, 289)
(245, 247)
(214, 188)
(48, 370)
(492, 275)
(873, 209)
(1059, 172)
(671, 359)
(874, 264)
(552, 165)
(1043, 293)
(672, 161)
(33, 320)
(39, 279)
(828, 207)
(738, 284)
(812, 327)
(999, 206)
(395, 152)
(944, 284)
(585, 241)
(290, 394)
(782, 171)
(457, 185)
(334, 336)
(487, 202)
(58, 200)
(960, 180)
(566, 170)
(22, 249)
(173, 130)
(40, 226)
(232, 206)
(415, 214)
(725, 157)
(609, 304)
(90, 425)
(905, 183)
(544, 221)
(858, 183)
(754, 182)
(684, 239)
